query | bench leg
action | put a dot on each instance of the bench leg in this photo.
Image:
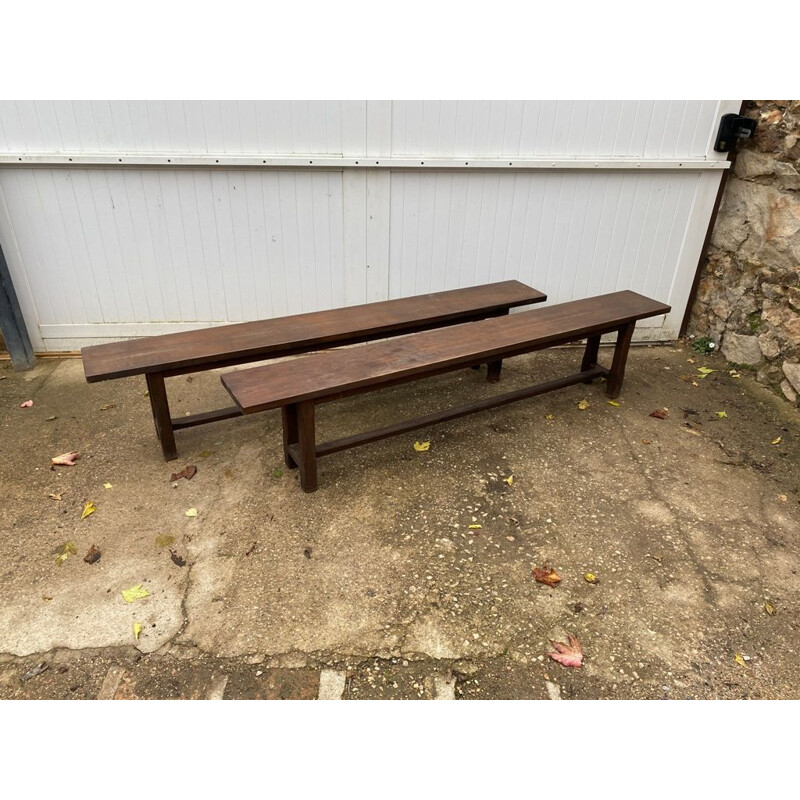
(298, 436)
(289, 415)
(617, 373)
(157, 392)
(493, 371)
(307, 446)
(590, 354)
(493, 367)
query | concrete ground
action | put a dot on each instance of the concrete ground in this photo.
(376, 586)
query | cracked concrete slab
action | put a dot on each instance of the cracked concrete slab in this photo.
(690, 523)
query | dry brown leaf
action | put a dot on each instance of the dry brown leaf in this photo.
(65, 460)
(546, 575)
(107, 406)
(176, 559)
(660, 413)
(569, 654)
(93, 556)
(187, 472)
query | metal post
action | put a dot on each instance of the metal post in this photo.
(12, 325)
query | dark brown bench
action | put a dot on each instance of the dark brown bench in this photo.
(160, 357)
(298, 386)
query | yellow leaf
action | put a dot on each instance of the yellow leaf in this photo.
(590, 577)
(421, 447)
(770, 609)
(137, 629)
(695, 383)
(739, 660)
(165, 540)
(776, 441)
(192, 512)
(107, 486)
(612, 402)
(136, 592)
(549, 416)
(583, 405)
(89, 508)
(705, 371)
(509, 480)
(64, 551)
(722, 414)
(475, 527)
(691, 360)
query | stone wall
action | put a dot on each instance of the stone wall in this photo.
(748, 299)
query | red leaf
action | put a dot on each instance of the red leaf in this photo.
(547, 575)
(570, 655)
(65, 459)
(660, 413)
(186, 472)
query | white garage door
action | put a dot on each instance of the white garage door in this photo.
(123, 219)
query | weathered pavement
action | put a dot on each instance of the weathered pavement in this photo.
(375, 586)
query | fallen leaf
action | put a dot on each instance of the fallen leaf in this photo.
(34, 671)
(739, 660)
(205, 454)
(705, 371)
(570, 655)
(475, 527)
(89, 508)
(421, 447)
(583, 405)
(612, 403)
(165, 540)
(782, 497)
(277, 473)
(93, 555)
(691, 360)
(55, 496)
(26, 404)
(50, 419)
(64, 551)
(549, 416)
(646, 441)
(590, 577)
(660, 413)
(770, 609)
(65, 460)
(176, 559)
(509, 480)
(107, 406)
(192, 512)
(776, 441)
(136, 592)
(546, 575)
(734, 374)
(137, 629)
(187, 472)
(108, 486)
(695, 383)
(721, 414)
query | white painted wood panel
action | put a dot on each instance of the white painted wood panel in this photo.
(103, 252)
(570, 235)
(140, 248)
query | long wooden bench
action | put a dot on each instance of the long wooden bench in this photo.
(160, 357)
(298, 386)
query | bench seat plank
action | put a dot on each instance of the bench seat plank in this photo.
(337, 373)
(230, 344)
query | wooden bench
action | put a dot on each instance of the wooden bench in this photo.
(298, 386)
(160, 357)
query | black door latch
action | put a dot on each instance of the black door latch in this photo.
(731, 128)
